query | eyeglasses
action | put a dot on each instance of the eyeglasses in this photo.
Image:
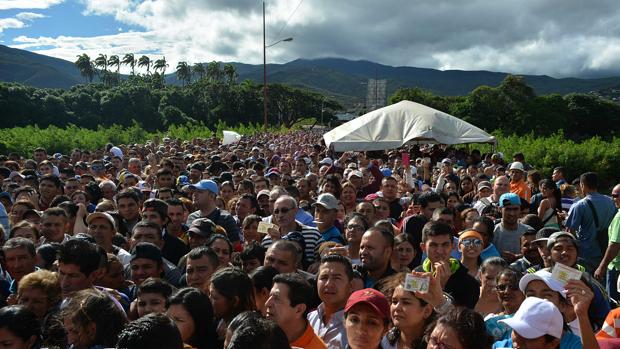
(506, 287)
(435, 343)
(471, 243)
(283, 210)
(615, 196)
(354, 227)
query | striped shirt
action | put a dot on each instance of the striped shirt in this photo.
(611, 327)
(311, 236)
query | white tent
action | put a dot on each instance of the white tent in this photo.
(230, 137)
(392, 126)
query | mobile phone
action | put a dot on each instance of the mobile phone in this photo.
(406, 158)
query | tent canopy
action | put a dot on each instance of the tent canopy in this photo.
(404, 122)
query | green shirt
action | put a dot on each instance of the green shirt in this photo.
(614, 236)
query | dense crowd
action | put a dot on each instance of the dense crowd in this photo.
(275, 241)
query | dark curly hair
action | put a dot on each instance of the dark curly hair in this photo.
(468, 325)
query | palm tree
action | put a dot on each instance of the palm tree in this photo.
(102, 62)
(114, 61)
(130, 60)
(213, 71)
(199, 69)
(85, 66)
(230, 73)
(161, 65)
(184, 73)
(144, 61)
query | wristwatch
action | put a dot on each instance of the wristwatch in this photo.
(446, 305)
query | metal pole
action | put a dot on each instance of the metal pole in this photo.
(264, 73)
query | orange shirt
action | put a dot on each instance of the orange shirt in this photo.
(309, 340)
(520, 188)
(611, 327)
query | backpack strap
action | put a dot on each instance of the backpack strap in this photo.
(593, 209)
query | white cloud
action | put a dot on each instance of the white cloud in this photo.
(28, 4)
(10, 23)
(546, 37)
(20, 20)
(29, 16)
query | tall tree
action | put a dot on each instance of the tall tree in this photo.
(130, 60)
(101, 62)
(114, 61)
(230, 73)
(161, 65)
(85, 67)
(184, 73)
(145, 61)
(214, 73)
(199, 70)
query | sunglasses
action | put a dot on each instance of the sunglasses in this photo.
(282, 210)
(615, 196)
(471, 243)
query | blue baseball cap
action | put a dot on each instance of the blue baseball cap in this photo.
(509, 199)
(205, 184)
(183, 181)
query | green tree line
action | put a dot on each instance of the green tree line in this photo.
(209, 94)
(514, 108)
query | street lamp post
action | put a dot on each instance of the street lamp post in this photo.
(265, 93)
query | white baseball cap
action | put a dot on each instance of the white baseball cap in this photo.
(544, 276)
(535, 318)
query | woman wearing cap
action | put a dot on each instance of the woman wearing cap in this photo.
(367, 315)
(470, 246)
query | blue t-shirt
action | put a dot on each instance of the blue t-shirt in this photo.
(568, 341)
(581, 220)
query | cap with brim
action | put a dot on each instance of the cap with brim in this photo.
(103, 215)
(484, 184)
(355, 173)
(535, 318)
(327, 200)
(509, 199)
(543, 276)
(262, 192)
(558, 235)
(326, 161)
(516, 166)
(205, 184)
(16, 174)
(203, 227)
(375, 299)
(273, 172)
(544, 233)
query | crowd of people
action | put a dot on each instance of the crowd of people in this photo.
(275, 241)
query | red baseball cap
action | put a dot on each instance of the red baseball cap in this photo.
(371, 297)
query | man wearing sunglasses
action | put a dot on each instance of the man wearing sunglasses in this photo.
(284, 210)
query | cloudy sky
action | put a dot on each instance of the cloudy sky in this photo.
(560, 38)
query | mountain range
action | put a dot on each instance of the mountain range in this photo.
(345, 80)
